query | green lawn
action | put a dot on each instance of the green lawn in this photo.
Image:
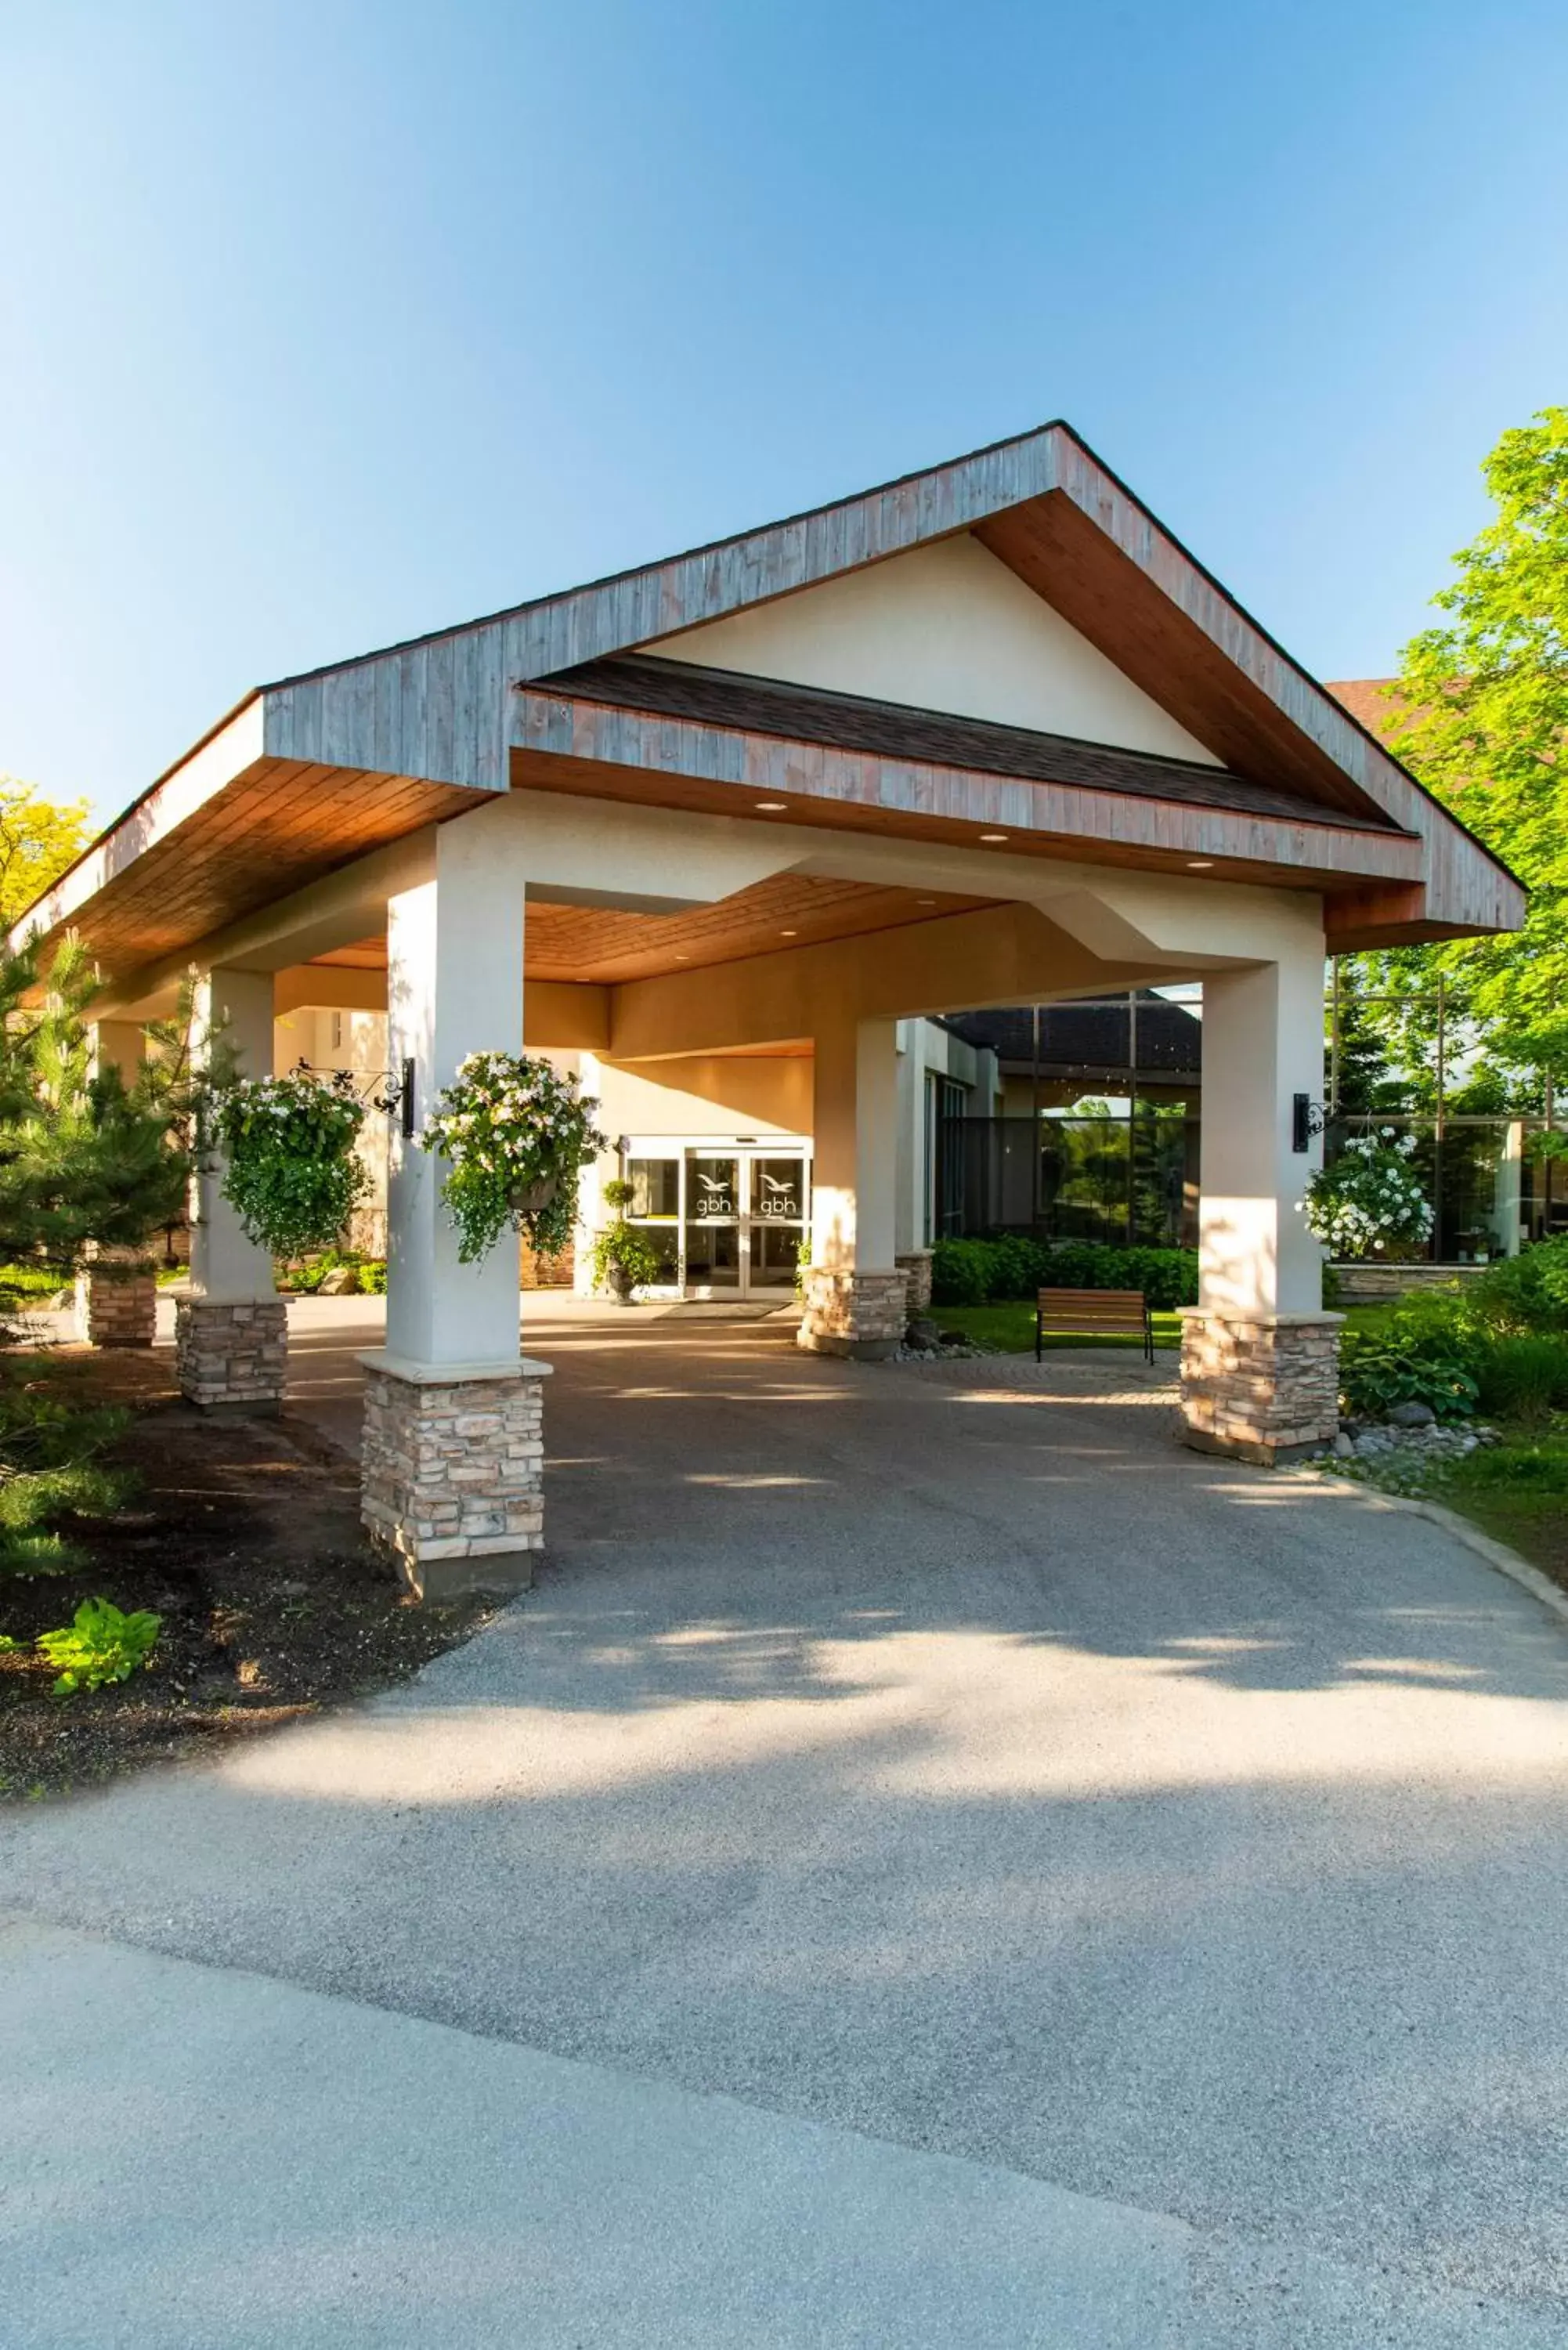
(1009, 1329)
(1518, 1492)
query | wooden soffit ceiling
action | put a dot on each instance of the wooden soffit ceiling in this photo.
(605, 946)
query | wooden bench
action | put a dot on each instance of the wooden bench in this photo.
(1093, 1314)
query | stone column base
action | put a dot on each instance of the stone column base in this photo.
(849, 1313)
(916, 1263)
(232, 1356)
(452, 1472)
(1264, 1386)
(116, 1299)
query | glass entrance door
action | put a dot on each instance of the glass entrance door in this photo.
(715, 1194)
(744, 1220)
(776, 1206)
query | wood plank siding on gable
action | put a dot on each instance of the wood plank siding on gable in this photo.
(318, 770)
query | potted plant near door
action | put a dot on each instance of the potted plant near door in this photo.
(624, 1260)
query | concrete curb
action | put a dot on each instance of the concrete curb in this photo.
(1496, 1554)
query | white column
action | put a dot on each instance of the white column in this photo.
(226, 1267)
(909, 1218)
(854, 1147)
(454, 986)
(1262, 1045)
(1508, 1191)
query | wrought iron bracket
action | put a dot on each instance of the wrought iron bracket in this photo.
(388, 1090)
(1307, 1119)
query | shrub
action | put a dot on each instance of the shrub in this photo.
(979, 1271)
(305, 1280)
(1380, 1368)
(960, 1272)
(1527, 1292)
(101, 1644)
(1523, 1374)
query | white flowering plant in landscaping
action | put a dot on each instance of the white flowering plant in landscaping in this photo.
(515, 1133)
(291, 1172)
(1371, 1198)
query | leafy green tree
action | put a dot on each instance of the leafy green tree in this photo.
(1369, 1079)
(1480, 713)
(37, 841)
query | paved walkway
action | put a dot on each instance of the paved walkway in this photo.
(931, 1862)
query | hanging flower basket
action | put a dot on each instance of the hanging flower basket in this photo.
(1371, 1198)
(514, 1133)
(533, 1198)
(291, 1173)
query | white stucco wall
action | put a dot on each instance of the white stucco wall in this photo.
(927, 1049)
(946, 626)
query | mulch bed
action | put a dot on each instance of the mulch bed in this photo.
(244, 1535)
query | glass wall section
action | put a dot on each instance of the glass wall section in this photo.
(1109, 1170)
(655, 1210)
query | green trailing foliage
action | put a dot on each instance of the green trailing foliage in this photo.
(987, 1272)
(291, 1172)
(515, 1134)
(101, 1644)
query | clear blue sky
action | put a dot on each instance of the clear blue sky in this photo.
(324, 325)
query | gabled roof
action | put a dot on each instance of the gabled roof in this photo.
(895, 730)
(339, 759)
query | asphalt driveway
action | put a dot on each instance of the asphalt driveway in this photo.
(931, 1862)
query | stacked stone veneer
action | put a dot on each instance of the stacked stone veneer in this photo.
(1264, 1386)
(848, 1313)
(230, 1356)
(117, 1299)
(917, 1264)
(451, 1473)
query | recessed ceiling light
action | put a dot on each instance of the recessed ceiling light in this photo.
(789, 934)
(771, 807)
(993, 836)
(1199, 864)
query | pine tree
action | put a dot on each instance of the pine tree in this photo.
(85, 1157)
